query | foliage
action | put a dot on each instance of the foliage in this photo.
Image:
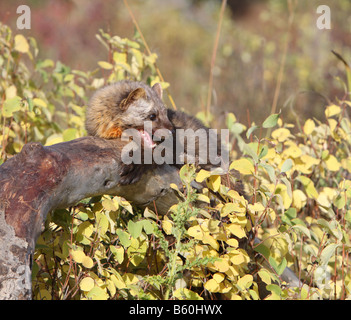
(214, 244)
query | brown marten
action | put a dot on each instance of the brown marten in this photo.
(129, 104)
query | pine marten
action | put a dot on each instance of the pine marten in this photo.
(128, 104)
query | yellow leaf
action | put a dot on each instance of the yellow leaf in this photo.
(238, 257)
(281, 134)
(332, 111)
(196, 232)
(293, 151)
(184, 293)
(87, 284)
(39, 102)
(219, 277)
(208, 239)
(111, 287)
(54, 139)
(212, 226)
(97, 293)
(299, 199)
(203, 198)
(244, 166)
(232, 272)
(202, 175)
(265, 276)
(105, 65)
(309, 161)
(237, 230)
(130, 278)
(309, 187)
(245, 282)
(214, 182)
(78, 256)
(332, 163)
(167, 226)
(221, 265)
(110, 205)
(87, 262)
(102, 223)
(212, 285)
(257, 207)
(272, 215)
(231, 207)
(21, 44)
(118, 282)
(309, 126)
(11, 92)
(346, 164)
(225, 287)
(233, 243)
(332, 124)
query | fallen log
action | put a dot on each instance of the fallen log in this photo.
(40, 179)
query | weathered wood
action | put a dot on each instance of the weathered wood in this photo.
(40, 179)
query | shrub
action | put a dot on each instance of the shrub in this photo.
(296, 214)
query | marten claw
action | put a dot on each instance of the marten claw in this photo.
(130, 174)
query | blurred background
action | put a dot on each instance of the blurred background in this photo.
(266, 47)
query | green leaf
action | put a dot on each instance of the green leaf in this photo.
(102, 223)
(186, 294)
(274, 288)
(97, 293)
(250, 131)
(287, 165)
(10, 106)
(271, 121)
(309, 187)
(70, 134)
(148, 226)
(105, 65)
(279, 268)
(263, 152)
(262, 249)
(135, 228)
(248, 149)
(289, 215)
(303, 229)
(270, 171)
(328, 252)
(124, 238)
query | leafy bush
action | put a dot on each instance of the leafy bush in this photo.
(297, 212)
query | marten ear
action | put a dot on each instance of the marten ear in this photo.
(132, 97)
(158, 89)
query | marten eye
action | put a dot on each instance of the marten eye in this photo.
(152, 117)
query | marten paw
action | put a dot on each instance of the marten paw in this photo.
(131, 173)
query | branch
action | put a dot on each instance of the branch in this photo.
(41, 179)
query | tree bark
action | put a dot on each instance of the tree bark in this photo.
(40, 179)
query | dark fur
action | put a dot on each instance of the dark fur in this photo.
(127, 104)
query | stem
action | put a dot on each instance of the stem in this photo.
(214, 54)
(148, 50)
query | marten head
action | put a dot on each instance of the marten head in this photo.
(124, 105)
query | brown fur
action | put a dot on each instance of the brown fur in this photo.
(123, 105)
(127, 104)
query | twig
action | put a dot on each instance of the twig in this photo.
(214, 54)
(291, 5)
(148, 50)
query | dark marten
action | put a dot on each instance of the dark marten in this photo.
(128, 104)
